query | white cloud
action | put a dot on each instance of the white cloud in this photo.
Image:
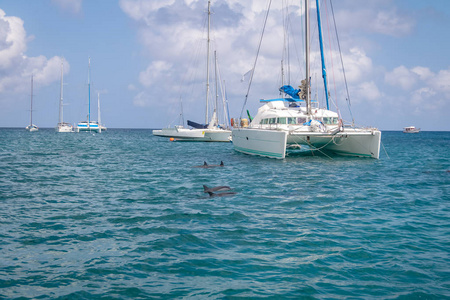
(73, 6)
(368, 90)
(441, 82)
(154, 71)
(358, 65)
(13, 41)
(424, 87)
(402, 77)
(391, 23)
(15, 67)
(376, 17)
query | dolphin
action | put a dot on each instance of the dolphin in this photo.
(216, 188)
(213, 191)
(224, 194)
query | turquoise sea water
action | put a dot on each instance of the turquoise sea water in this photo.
(122, 215)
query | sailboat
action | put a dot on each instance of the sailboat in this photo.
(102, 127)
(62, 126)
(31, 127)
(284, 123)
(88, 125)
(211, 131)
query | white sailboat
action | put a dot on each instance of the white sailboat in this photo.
(284, 123)
(62, 126)
(88, 125)
(212, 131)
(31, 127)
(102, 127)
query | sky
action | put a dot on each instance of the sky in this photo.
(148, 57)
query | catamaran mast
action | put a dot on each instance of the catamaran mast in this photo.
(324, 70)
(207, 62)
(308, 98)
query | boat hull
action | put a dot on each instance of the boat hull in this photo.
(32, 128)
(272, 143)
(85, 127)
(194, 135)
(64, 127)
(268, 143)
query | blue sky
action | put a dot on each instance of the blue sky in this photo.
(146, 55)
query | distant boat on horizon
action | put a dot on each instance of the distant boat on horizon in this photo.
(62, 126)
(411, 129)
(31, 127)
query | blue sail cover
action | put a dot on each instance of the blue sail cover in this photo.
(196, 125)
(290, 91)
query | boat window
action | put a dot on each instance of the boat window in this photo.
(272, 120)
(281, 121)
(301, 120)
(263, 121)
(292, 120)
(330, 121)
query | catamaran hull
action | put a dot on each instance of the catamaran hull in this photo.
(273, 143)
(268, 143)
(92, 128)
(194, 135)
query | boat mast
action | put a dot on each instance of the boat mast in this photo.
(207, 62)
(308, 98)
(216, 108)
(89, 92)
(98, 111)
(324, 70)
(31, 103)
(61, 95)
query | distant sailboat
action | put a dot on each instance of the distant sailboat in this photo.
(62, 126)
(31, 127)
(88, 125)
(102, 127)
(211, 131)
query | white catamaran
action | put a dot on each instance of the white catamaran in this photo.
(31, 127)
(88, 125)
(212, 131)
(62, 126)
(284, 123)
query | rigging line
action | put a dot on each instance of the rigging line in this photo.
(342, 62)
(385, 150)
(256, 58)
(332, 61)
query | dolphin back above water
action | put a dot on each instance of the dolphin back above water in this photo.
(206, 166)
(216, 188)
(213, 191)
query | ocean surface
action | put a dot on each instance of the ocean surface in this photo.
(123, 215)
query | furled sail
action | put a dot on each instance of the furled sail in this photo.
(287, 89)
